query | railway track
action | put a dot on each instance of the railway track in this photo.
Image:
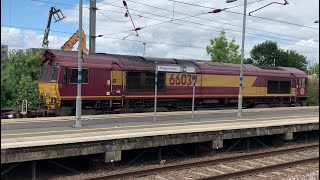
(229, 167)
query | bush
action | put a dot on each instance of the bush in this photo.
(19, 76)
(313, 89)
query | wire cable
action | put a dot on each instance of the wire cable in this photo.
(250, 16)
(181, 19)
(198, 17)
(111, 18)
(155, 24)
(195, 16)
(120, 39)
(107, 37)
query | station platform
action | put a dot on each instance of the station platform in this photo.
(48, 138)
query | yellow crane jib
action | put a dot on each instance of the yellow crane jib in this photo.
(68, 46)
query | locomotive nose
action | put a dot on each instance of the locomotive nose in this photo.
(49, 95)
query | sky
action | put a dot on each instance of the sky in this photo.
(170, 28)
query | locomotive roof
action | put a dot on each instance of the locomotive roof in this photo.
(127, 62)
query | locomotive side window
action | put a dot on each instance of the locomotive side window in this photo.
(285, 87)
(44, 72)
(65, 75)
(279, 87)
(272, 87)
(74, 76)
(302, 83)
(137, 80)
(53, 74)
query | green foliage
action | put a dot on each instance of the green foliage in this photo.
(222, 50)
(292, 58)
(248, 61)
(269, 54)
(19, 75)
(264, 54)
(314, 70)
(316, 67)
(313, 89)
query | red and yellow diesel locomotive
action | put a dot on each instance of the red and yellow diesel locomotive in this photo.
(126, 83)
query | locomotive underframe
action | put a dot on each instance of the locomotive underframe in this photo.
(145, 105)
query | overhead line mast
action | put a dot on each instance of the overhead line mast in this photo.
(92, 24)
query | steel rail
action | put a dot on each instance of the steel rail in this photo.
(260, 169)
(149, 171)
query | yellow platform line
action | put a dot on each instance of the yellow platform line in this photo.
(153, 125)
(126, 116)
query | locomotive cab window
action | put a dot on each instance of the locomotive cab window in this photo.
(54, 74)
(74, 76)
(279, 87)
(138, 80)
(44, 72)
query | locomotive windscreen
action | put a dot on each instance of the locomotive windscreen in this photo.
(142, 80)
(44, 72)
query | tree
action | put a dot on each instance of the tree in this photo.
(248, 61)
(222, 50)
(269, 54)
(296, 60)
(265, 54)
(314, 70)
(19, 76)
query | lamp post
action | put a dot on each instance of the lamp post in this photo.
(242, 56)
(79, 99)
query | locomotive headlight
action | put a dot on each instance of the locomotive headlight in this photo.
(53, 100)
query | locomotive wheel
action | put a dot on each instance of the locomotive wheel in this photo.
(89, 112)
(261, 106)
(297, 104)
(304, 103)
(63, 111)
(159, 109)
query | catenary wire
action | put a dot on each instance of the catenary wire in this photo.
(181, 19)
(110, 4)
(198, 17)
(163, 23)
(290, 23)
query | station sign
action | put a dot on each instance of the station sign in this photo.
(176, 69)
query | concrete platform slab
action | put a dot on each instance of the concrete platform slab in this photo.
(26, 142)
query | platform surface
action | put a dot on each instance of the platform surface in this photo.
(17, 133)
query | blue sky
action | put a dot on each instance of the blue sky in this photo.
(34, 14)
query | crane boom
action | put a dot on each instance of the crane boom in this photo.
(68, 46)
(53, 11)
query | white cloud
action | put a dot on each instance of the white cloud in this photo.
(10, 36)
(24, 39)
(298, 12)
